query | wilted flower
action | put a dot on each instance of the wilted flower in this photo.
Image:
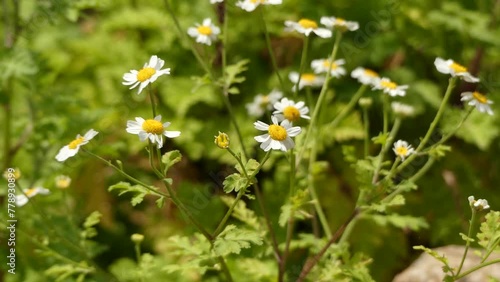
(72, 148)
(148, 74)
(478, 100)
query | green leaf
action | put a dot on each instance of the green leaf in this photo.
(400, 221)
(170, 158)
(250, 167)
(137, 191)
(489, 234)
(439, 151)
(231, 75)
(233, 239)
(466, 238)
(295, 208)
(235, 182)
(194, 252)
(349, 153)
(434, 254)
(92, 220)
(398, 200)
(381, 138)
(242, 213)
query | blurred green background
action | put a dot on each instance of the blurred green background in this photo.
(61, 69)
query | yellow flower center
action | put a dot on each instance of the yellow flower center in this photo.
(401, 151)
(277, 132)
(458, 68)
(369, 72)
(152, 126)
(307, 23)
(74, 144)
(388, 84)
(308, 77)
(339, 21)
(30, 192)
(326, 63)
(291, 113)
(145, 74)
(204, 30)
(480, 97)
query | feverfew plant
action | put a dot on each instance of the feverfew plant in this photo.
(277, 210)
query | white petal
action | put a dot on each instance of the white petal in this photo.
(172, 134)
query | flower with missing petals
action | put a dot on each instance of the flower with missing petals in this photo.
(222, 140)
(454, 69)
(324, 65)
(151, 129)
(390, 87)
(250, 5)
(306, 26)
(339, 23)
(478, 100)
(306, 79)
(291, 111)
(204, 33)
(365, 76)
(23, 199)
(278, 136)
(402, 149)
(148, 74)
(478, 205)
(72, 148)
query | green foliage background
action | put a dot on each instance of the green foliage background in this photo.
(63, 76)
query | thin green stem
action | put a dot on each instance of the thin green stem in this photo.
(241, 192)
(235, 124)
(469, 271)
(191, 44)
(385, 105)
(442, 107)
(385, 148)
(467, 244)
(319, 102)
(150, 188)
(347, 109)
(269, 46)
(225, 269)
(303, 59)
(366, 124)
(452, 133)
(7, 125)
(152, 99)
(314, 195)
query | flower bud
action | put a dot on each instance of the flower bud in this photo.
(137, 238)
(222, 140)
(63, 181)
(365, 102)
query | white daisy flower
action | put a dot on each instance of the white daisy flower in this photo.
(63, 181)
(306, 26)
(306, 79)
(148, 74)
(216, 1)
(340, 23)
(72, 148)
(277, 136)
(291, 111)
(478, 100)
(323, 66)
(204, 33)
(23, 199)
(365, 76)
(478, 205)
(261, 103)
(402, 110)
(151, 129)
(402, 149)
(250, 5)
(390, 87)
(454, 69)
